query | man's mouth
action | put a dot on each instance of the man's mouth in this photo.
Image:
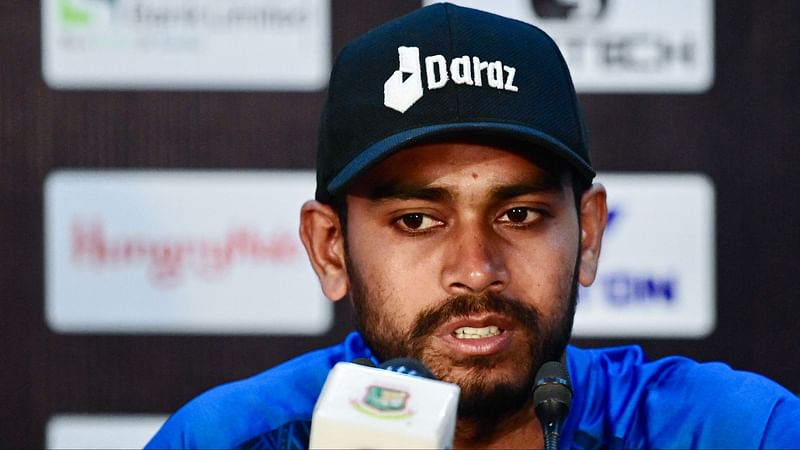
(477, 333)
(482, 334)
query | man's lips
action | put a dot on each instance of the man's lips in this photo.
(477, 335)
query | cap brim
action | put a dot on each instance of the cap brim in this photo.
(383, 148)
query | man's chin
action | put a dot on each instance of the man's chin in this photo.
(489, 395)
(492, 369)
(491, 386)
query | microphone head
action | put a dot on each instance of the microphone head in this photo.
(408, 366)
(553, 369)
(552, 387)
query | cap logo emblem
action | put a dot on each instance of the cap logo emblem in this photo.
(404, 87)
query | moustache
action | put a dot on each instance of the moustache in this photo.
(430, 319)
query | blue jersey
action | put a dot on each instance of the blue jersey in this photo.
(620, 401)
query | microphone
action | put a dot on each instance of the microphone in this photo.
(397, 405)
(552, 397)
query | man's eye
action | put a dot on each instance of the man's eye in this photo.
(519, 216)
(416, 222)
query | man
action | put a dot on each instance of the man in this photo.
(455, 208)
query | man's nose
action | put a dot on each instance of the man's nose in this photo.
(474, 262)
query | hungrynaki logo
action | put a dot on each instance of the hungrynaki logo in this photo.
(404, 87)
(170, 260)
(179, 252)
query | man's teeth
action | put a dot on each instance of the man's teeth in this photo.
(476, 333)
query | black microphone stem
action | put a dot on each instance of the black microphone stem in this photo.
(551, 415)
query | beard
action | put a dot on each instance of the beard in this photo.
(493, 387)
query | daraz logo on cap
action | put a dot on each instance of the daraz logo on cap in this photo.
(404, 87)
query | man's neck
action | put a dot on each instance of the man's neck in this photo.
(520, 430)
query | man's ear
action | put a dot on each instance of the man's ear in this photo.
(593, 216)
(321, 233)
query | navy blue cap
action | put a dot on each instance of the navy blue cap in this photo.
(442, 72)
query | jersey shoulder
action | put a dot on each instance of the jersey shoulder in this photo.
(624, 399)
(273, 405)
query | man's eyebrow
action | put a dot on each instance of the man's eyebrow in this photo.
(407, 191)
(411, 191)
(542, 185)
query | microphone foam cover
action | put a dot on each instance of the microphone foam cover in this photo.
(552, 383)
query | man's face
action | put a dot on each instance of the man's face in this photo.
(464, 256)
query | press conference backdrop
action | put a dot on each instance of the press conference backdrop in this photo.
(154, 153)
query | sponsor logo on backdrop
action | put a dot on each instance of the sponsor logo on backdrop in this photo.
(569, 9)
(168, 261)
(627, 287)
(624, 45)
(166, 14)
(657, 266)
(101, 430)
(404, 87)
(234, 44)
(179, 252)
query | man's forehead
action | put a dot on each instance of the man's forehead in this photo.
(424, 170)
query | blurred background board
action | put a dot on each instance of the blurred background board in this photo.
(739, 130)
